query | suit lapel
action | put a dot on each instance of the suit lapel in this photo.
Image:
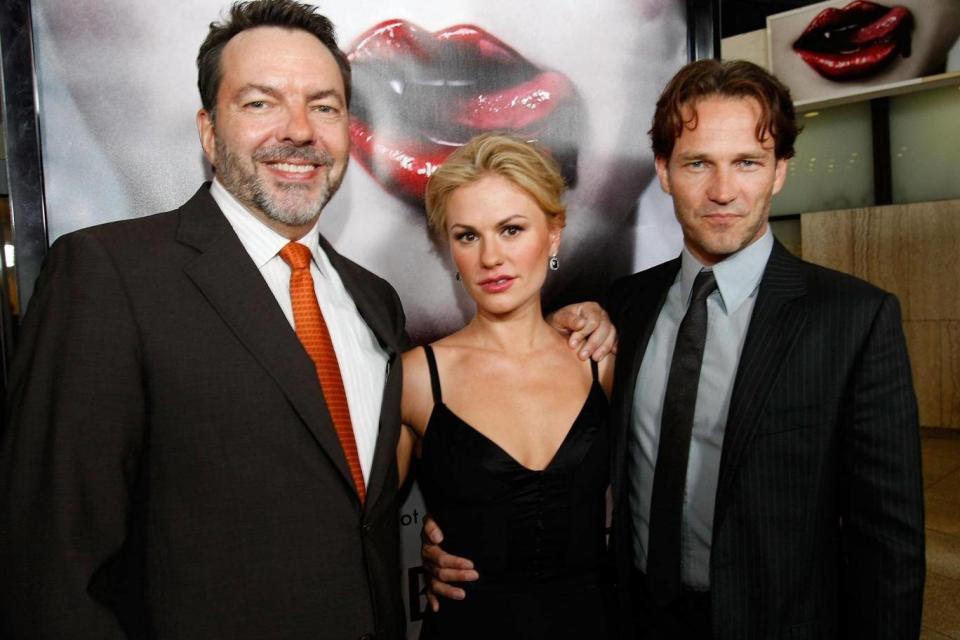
(778, 316)
(233, 286)
(375, 312)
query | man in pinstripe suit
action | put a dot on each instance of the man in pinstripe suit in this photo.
(800, 514)
(796, 508)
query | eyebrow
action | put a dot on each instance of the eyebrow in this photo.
(272, 92)
(501, 223)
(746, 155)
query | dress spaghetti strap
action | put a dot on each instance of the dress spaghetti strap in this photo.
(595, 370)
(434, 375)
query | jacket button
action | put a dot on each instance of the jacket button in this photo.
(366, 636)
(365, 529)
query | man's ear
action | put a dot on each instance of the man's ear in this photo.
(663, 174)
(780, 174)
(208, 138)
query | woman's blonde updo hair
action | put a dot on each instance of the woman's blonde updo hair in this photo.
(523, 163)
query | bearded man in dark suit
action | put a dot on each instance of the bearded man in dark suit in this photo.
(766, 477)
(171, 469)
(204, 408)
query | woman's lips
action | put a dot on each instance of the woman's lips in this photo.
(419, 95)
(497, 285)
(855, 41)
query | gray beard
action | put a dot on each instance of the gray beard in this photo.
(289, 207)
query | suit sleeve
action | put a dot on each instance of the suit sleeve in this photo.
(69, 453)
(614, 301)
(882, 501)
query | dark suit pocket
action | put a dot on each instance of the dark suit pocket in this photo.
(778, 420)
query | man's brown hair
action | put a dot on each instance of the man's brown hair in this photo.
(262, 13)
(734, 79)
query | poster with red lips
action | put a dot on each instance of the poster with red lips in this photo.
(421, 94)
(582, 83)
(117, 90)
(843, 48)
(427, 76)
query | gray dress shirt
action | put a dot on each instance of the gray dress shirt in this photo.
(728, 317)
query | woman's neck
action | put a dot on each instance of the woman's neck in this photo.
(520, 331)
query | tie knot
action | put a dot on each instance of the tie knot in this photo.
(296, 255)
(704, 284)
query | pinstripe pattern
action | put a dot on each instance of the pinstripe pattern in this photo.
(312, 331)
(818, 530)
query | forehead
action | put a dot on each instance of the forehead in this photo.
(722, 122)
(491, 196)
(278, 55)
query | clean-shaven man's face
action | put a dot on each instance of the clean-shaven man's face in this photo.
(721, 177)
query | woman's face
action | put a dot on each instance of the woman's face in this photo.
(500, 242)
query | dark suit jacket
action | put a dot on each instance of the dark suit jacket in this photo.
(818, 528)
(169, 468)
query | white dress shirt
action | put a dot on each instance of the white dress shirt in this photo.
(363, 363)
(729, 309)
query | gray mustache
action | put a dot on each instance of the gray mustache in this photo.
(278, 153)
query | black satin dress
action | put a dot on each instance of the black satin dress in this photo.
(536, 538)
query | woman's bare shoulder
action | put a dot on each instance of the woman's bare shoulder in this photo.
(417, 399)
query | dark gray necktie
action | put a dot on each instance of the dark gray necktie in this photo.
(670, 476)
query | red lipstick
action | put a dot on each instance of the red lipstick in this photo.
(418, 95)
(855, 41)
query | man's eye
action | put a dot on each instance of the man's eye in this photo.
(696, 164)
(256, 104)
(326, 109)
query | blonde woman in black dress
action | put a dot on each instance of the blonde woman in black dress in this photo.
(511, 425)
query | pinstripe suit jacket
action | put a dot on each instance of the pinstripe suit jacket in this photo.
(818, 527)
(169, 468)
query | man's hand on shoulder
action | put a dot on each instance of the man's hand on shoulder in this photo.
(589, 329)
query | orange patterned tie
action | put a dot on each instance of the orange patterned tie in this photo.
(313, 333)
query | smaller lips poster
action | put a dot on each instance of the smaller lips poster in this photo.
(843, 48)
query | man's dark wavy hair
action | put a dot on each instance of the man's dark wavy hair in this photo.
(262, 13)
(734, 79)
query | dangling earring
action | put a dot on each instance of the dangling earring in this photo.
(554, 262)
(457, 276)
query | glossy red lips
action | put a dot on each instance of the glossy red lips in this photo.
(855, 41)
(418, 95)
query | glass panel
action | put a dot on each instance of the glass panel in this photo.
(833, 168)
(925, 145)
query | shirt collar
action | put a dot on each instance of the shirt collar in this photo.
(260, 241)
(738, 275)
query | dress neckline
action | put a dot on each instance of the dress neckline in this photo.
(568, 436)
